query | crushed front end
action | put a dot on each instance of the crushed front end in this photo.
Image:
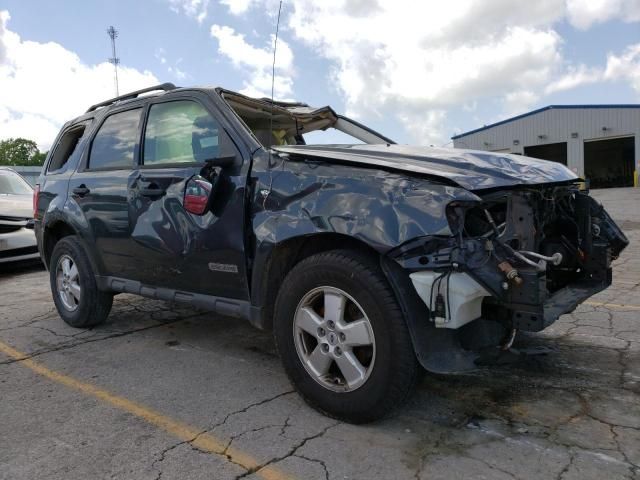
(517, 259)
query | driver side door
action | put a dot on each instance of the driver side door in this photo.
(199, 250)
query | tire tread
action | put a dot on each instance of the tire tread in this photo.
(367, 270)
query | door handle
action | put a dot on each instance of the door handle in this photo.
(151, 192)
(81, 191)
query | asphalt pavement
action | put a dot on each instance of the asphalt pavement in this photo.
(163, 391)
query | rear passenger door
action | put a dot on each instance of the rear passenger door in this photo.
(98, 192)
(201, 253)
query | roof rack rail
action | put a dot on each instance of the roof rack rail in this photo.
(163, 86)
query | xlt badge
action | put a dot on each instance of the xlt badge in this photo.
(223, 267)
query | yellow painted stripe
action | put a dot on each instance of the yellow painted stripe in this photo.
(187, 433)
(613, 305)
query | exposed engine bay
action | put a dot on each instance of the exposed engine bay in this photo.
(521, 257)
(476, 245)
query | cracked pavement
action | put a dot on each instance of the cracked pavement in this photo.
(573, 413)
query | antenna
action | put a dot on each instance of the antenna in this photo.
(273, 81)
(273, 75)
(114, 60)
(275, 47)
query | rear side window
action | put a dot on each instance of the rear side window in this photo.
(180, 132)
(66, 147)
(114, 144)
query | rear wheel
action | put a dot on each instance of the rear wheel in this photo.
(73, 285)
(342, 337)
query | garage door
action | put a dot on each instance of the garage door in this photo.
(609, 163)
(556, 152)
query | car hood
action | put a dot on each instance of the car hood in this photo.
(16, 206)
(470, 169)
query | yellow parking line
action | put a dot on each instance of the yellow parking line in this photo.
(205, 442)
(613, 305)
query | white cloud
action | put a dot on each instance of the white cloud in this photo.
(257, 62)
(519, 101)
(441, 55)
(4, 18)
(49, 85)
(174, 70)
(237, 6)
(196, 9)
(584, 13)
(625, 66)
(575, 77)
(427, 127)
(160, 55)
(619, 67)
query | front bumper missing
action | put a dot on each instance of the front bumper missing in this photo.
(461, 294)
(561, 302)
(464, 296)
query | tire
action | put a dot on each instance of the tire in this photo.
(390, 366)
(75, 293)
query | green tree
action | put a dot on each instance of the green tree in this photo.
(40, 157)
(20, 151)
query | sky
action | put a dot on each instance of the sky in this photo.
(418, 71)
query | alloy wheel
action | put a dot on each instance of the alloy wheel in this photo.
(334, 339)
(68, 283)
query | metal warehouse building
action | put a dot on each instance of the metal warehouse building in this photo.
(598, 142)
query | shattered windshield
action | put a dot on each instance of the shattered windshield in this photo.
(330, 136)
(283, 123)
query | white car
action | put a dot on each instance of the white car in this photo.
(17, 241)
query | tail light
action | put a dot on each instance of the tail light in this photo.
(36, 194)
(196, 195)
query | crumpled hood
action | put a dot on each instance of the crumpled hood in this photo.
(470, 169)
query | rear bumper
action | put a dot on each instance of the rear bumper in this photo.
(17, 246)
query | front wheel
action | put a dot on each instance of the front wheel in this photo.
(342, 337)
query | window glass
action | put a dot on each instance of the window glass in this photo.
(180, 132)
(330, 136)
(66, 147)
(115, 142)
(13, 184)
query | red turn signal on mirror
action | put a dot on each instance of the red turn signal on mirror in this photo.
(196, 195)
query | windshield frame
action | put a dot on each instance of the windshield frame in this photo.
(298, 112)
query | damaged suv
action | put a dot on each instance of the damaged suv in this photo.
(368, 261)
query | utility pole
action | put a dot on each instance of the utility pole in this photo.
(114, 60)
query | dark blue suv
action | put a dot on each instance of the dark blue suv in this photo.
(367, 260)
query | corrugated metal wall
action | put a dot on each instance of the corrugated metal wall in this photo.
(558, 125)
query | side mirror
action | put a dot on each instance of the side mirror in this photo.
(196, 195)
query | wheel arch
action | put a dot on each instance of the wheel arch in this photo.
(52, 234)
(56, 230)
(437, 350)
(273, 262)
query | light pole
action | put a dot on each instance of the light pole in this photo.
(114, 60)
